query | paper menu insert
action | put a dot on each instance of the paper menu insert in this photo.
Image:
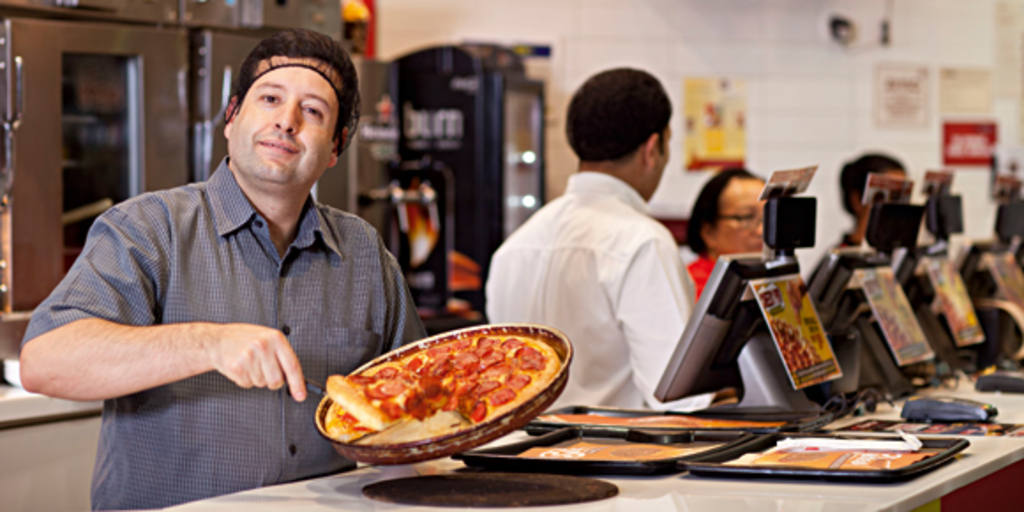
(796, 329)
(1007, 275)
(952, 300)
(892, 311)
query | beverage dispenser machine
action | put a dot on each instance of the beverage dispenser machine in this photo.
(473, 108)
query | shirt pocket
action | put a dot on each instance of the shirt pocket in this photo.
(344, 350)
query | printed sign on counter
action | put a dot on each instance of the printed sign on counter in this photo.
(1007, 275)
(952, 300)
(797, 330)
(893, 313)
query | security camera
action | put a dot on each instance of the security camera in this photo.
(842, 29)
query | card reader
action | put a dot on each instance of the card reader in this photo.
(946, 409)
(1001, 380)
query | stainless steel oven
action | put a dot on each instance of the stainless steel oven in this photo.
(93, 113)
(216, 57)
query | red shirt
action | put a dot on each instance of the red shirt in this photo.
(700, 271)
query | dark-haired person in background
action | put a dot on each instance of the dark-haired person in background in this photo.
(197, 313)
(852, 180)
(726, 219)
(593, 263)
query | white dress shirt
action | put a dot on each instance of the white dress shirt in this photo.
(593, 264)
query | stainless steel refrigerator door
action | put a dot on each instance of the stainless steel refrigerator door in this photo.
(210, 13)
(71, 116)
(216, 57)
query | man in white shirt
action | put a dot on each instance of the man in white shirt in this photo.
(593, 263)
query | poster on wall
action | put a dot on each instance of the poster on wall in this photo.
(1009, 25)
(716, 112)
(965, 91)
(968, 143)
(901, 96)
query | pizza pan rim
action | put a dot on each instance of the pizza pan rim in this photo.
(444, 445)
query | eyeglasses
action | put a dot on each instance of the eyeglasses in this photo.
(748, 221)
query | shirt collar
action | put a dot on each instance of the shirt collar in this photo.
(232, 210)
(591, 182)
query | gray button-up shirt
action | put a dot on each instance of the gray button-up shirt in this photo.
(201, 252)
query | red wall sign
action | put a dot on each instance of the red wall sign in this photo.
(968, 143)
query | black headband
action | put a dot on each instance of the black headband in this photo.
(292, 64)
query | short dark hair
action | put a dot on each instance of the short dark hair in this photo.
(614, 112)
(855, 175)
(336, 66)
(705, 209)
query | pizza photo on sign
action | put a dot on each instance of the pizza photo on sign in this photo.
(797, 330)
(444, 394)
(892, 312)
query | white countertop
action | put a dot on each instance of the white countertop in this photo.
(18, 406)
(676, 492)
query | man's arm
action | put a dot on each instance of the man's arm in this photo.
(95, 359)
(654, 306)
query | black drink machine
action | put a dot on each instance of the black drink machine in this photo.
(472, 108)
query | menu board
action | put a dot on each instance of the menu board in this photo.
(1007, 275)
(839, 459)
(797, 330)
(893, 313)
(952, 300)
(586, 450)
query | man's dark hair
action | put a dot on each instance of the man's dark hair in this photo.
(705, 210)
(333, 63)
(614, 112)
(855, 175)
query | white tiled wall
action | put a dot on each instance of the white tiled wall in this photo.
(810, 99)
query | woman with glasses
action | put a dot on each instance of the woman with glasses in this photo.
(726, 219)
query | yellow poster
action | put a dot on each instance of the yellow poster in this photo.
(892, 311)
(952, 300)
(797, 330)
(716, 112)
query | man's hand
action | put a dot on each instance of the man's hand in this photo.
(254, 356)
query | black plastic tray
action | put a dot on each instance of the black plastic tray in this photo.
(792, 422)
(506, 458)
(714, 466)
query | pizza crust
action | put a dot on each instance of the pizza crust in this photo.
(351, 400)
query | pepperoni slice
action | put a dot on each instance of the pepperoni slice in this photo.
(388, 372)
(501, 396)
(518, 381)
(530, 358)
(485, 343)
(466, 360)
(491, 358)
(439, 350)
(485, 387)
(386, 390)
(391, 409)
(511, 344)
(414, 364)
(479, 411)
(497, 371)
(361, 380)
(440, 367)
(461, 344)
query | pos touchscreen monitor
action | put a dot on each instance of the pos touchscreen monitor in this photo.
(727, 343)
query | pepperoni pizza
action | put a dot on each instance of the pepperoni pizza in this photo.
(472, 379)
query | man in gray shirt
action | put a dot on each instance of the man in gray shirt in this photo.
(197, 313)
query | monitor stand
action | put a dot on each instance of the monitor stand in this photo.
(766, 384)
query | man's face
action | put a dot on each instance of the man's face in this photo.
(280, 139)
